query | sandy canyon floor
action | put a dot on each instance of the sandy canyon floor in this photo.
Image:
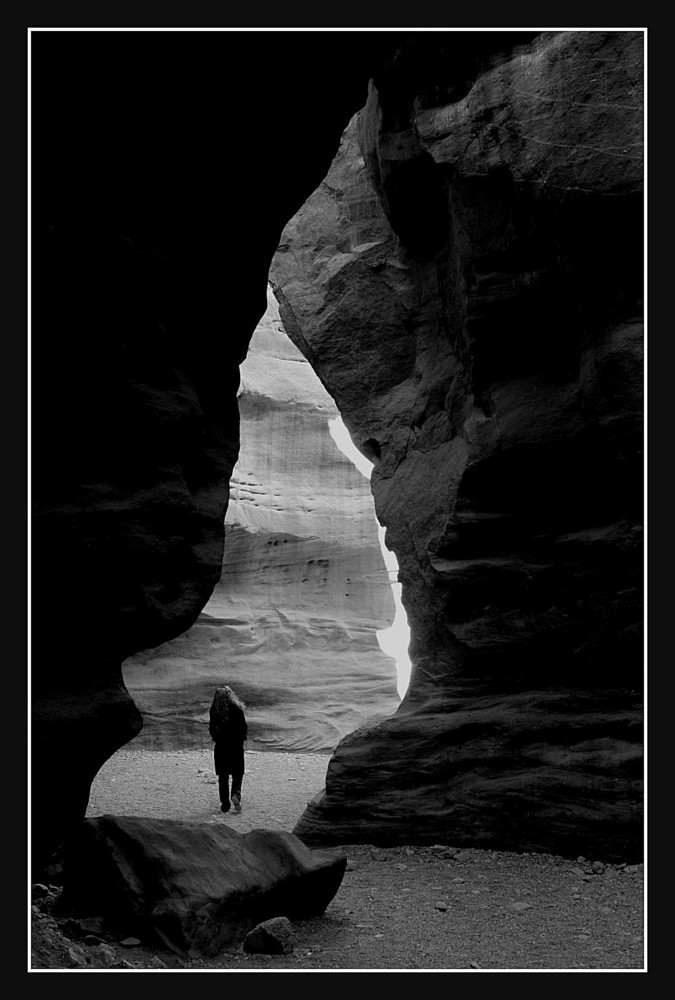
(413, 908)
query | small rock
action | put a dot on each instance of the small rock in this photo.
(130, 942)
(401, 866)
(409, 851)
(271, 937)
(352, 866)
(586, 878)
(378, 856)
(576, 871)
(93, 939)
(581, 860)
(605, 909)
(379, 935)
(104, 956)
(39, 891)
(90, 925)
(438, 849)
(597, 867)
(123, 964)
(76, 957)
(521, 907)
(458, 880)
(474, 965)
(440, 904)
(156, 963)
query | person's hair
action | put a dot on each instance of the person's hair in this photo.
(222, 699)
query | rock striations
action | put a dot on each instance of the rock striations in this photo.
(292, 624)
(164, 166)
(467, 282)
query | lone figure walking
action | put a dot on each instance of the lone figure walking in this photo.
(228, 729)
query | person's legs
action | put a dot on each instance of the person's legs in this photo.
(224, 791)
(236, 791)
(237, 777)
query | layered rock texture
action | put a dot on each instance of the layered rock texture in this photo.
(467, 281)
(292, 624)
(470, 293)
(194, 888)
(164, 167)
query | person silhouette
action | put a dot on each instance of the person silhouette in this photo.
(228, 730)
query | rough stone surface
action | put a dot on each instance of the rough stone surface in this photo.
(292, 624)
(271, 937)
(180, 158)
(192, 887)
(468, 283)
(499, 389)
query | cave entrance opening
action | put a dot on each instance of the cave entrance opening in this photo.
(306, 622)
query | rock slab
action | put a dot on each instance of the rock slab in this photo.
(191, 887)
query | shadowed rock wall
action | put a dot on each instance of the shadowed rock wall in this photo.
(164, 168)
(467, 282)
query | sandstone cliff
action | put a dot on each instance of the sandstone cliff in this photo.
(164, 166)
(494, 376)
(292, 624)
(467, 281)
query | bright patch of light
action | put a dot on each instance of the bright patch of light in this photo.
(395, 640)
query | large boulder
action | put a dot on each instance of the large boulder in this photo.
(467, 282)
(192, 887)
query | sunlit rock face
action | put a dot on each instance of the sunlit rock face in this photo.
(292, 623)
(468, 284)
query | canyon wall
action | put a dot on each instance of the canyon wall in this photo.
(292, 624)
(164, 166)
(467, 281)
(480, 335)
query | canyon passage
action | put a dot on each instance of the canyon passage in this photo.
(452, 225)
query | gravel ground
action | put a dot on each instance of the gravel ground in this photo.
(181, 784)
(398, 909)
